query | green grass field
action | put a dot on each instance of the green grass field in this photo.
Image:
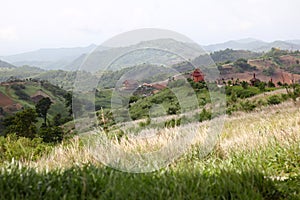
(257, 157)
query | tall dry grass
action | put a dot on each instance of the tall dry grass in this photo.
(242, 132)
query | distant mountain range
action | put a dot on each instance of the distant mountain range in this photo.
(6, 65)
(53, 58)
(254, 45)
(72, 58)
(158, 52)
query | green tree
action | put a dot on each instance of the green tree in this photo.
(51, 134)
(262, 86)
(22, 123)
(68, 99)
(42, 108)
(57, 121)
(279, 83)
(244, 84)
(271, 84)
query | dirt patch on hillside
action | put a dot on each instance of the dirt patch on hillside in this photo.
(261, 63)
(279, 75)
(289, 60)
(5, 100)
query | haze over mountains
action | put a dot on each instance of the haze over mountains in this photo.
(254, 45)
(52, 58)
(6, 65)
(71, 58)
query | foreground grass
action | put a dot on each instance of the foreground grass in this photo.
(257, 157)
(240, 176)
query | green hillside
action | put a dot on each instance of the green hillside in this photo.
(22, 93)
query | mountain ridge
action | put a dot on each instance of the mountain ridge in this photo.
(72, 58)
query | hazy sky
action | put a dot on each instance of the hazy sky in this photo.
(32, 24)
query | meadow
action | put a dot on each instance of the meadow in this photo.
(257, 156)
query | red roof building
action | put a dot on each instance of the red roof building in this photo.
(130, 84)
(197, 75)
(254, 80)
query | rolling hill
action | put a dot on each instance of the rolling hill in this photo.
(51, 58)
(23, 94)
(72, 58)
(19, 72)
(152, 51)
(6, 65)
(254, 45)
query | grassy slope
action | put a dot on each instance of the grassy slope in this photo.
(32, 88)
(257, 157)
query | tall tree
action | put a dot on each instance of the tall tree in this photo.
(42, 108)
(68, 99)
(22, 123)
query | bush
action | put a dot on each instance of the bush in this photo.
(261, 86)
(205, 115)
(172, 123)
(21, 148)
(173, 109)
(242, 92)
(231, 109)
(271, 84)
(242, 65)
(274, 99)
(22, 95)
(51, 134)
(284, 97)
(248, 106)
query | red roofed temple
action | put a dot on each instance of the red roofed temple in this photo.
(197, 75)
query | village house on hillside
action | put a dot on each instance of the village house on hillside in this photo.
(197, 75)
(130, 84)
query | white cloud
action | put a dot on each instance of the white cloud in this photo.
(8, 34)
(59, 23)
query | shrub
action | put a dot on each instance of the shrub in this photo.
(205, 115)
(284, 97)
(274, 99)
(271, 84)
(133, 99)
(248, 106)
(231, 109)
(21, 148)
(261, 102)
(22, 95)
(172, 123)
(233, 97)
(244, 84)
(246, 93)
(51, 134)
(173, 109)
(261, 86)
(279, 83)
